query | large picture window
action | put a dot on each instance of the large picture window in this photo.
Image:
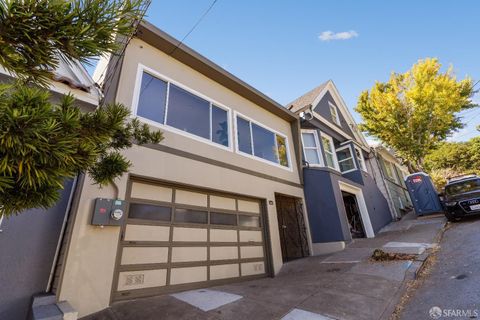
(311, 147)
(258, 141)
(168, 104)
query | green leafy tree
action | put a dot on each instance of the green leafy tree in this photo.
(41, 142)
(413, 112)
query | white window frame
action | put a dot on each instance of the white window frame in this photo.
(237, 114)
(334, 153)
(361, 159)
(336, 118)
(164, 126)
(351, 157)
(317, 148)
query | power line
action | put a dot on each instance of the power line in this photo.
(194, 26)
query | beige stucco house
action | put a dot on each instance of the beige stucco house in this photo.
(210, 204)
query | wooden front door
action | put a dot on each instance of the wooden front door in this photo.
(293, 233)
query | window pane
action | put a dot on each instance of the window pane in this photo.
(219, 126)
(326, 144)
(309, 140)
(190, 216)
(223, 218)
(346, 165)
(151, 102)
(344, 154)
(149, 212)
(264, 143)
(243, 134)
(312, 156)
(188, 112)
(282, 151)
(249, 221)
(329, 160)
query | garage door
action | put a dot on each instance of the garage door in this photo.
(177, 238)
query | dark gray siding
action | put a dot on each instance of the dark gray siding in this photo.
(377, 205)
(322, 206)
(27, 248)
(323, 109)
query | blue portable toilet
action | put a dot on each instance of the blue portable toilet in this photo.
(423, 194)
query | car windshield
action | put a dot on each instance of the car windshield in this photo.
(463, 187)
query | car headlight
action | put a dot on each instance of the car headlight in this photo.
(451, 203)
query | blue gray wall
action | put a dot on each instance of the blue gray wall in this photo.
(323, 109)
(27, 248)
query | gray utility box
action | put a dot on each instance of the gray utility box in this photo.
(109, 212)
(423, 194)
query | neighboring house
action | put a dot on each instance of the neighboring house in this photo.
(390, 176)
(219, 200)
(29, 242)
(343, 200)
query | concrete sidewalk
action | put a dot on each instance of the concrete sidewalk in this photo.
(344, 285)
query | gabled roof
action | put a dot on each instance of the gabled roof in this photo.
(313, 97)
(307, 99)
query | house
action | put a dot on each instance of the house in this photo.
(343, 200)
(210, 204)
(30, 241)
(390, 176)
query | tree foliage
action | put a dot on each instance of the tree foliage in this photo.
(42, 143)
(413, 112)
(33, 32)
(452, 159)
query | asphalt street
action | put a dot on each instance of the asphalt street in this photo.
(453, 286)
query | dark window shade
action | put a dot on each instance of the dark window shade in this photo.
(244, 136)
(223, 219)
(149, 212)
(219, 126)
(190, 216)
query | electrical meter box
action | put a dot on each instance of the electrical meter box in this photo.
(109, 212)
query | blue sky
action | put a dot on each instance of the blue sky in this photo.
(275, 45)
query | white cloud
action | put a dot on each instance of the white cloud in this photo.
(330, 35)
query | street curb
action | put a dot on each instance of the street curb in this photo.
(410, 275)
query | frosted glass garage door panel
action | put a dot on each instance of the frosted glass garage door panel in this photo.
(191, 198)
(249, 206)
(224, 271)
(222, 235)
(250, 236)
(135, 232)
(251, 252)
(141, 255)
(188, 275)
(222, 203)
(252, 268)
(190, 234)
(151, 192)
(189, 254)
(130, 280)
(223, 253)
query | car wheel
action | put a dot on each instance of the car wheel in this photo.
(450, 217)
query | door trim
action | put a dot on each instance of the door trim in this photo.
(362, 206)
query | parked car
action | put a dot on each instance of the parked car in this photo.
(462, 197)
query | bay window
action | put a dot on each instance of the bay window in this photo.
(168, 104)
(256, 140)
(345, 159)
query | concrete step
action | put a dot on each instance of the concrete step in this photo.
(43, 299)
(45, 307)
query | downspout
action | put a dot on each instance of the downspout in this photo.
(62, 232)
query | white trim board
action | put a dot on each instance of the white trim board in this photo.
(362, 206)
